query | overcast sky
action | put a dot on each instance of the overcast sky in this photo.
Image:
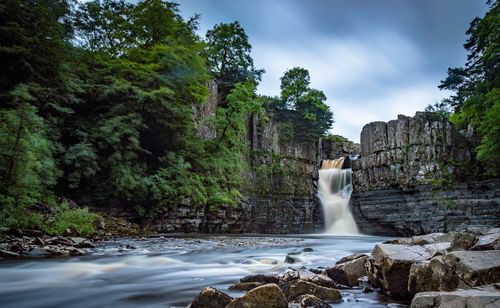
(374, 59)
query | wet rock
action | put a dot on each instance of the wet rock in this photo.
(244, 286)
(307, 249)
(351, 258)
(319, 279)
(348, 272)
(291, 258)
(268, 295)
(302, 287)
(488, 241)
(457, 299)
(80, 242)
(308, 301)
(38, 252)
(462, 240)
(372, 272)
(393, 263)
(211, 298)
(262, 278)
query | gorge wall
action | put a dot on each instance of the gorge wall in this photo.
(418, 175)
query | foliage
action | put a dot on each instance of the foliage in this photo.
(304, 106)
(78, 219)
(228, 56)
(476, 85)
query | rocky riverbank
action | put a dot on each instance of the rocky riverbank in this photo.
(456, 269)
(25, 244)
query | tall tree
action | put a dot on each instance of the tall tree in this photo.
(312, 117)
(477, 86)
(228, 53)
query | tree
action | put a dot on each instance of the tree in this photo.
(104, 26)
(228, 55)
(311, 118)
(476, 85)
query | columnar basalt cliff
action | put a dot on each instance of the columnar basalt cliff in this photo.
(418, 175)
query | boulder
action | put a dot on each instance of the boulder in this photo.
(393, 263)
(319, 279)
(302, 287)
(372, 272)
(80, 242)
(436, 249)
(462, 240)
(471, 298)
(268, 295)
(211, 298)
(262, 278)
(245, 286)
(458, 269)
(347, 273)
(489, 241)
(474, 268)
(308, 301)
(350, 258)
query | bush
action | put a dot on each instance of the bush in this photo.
(78, 219)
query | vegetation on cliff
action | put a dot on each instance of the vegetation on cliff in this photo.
(97, 106)
(476, 101)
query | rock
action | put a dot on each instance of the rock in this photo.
(438, 248)
(268, 295)
(474, 268)
(489, 241)
(80, 242)
(420, 278)
(244, 286)
(319, 279)
(8, 254)
(348, 272)
(211, 298)
(307, 301)
(307, 249)
(262, 278)
(458, 269)
(302, 287)
(372, 272)
(291, 258)
(393, 263)
(462, 240)
(350, 258)
(37, 252)
(457, 299)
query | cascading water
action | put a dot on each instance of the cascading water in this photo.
(334, 192)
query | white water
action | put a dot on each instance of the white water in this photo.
(334, 192)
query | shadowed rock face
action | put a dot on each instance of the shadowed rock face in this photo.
(417, 175)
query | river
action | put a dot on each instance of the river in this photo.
(169, 271)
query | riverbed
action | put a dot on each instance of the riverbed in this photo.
(169, 271)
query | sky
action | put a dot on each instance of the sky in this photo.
(374, 59)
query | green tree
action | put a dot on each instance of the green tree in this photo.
(228, 53)
(104, 26)
(311, 115)
(476, 86)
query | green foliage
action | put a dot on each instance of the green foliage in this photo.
(303, 106)
(476, 85)
(64, 218)
(228, 55)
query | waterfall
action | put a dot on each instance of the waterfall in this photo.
(334, 192)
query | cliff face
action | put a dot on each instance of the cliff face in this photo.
(417, 175)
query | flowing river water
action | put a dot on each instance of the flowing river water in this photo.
(169, 271)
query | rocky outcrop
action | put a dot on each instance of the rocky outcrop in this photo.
(410, 266)
(421, 209)
(416, 175)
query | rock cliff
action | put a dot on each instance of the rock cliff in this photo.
(418, 175)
